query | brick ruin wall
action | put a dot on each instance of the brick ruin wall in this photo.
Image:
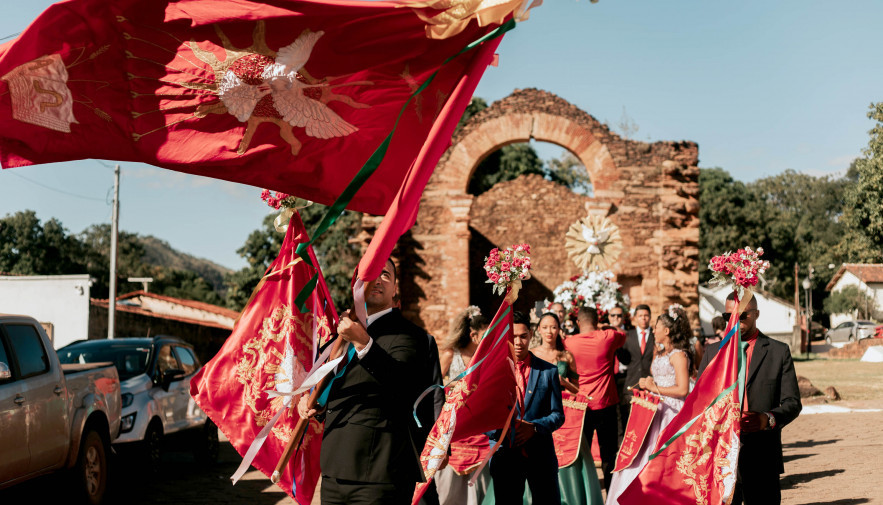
(650, 191)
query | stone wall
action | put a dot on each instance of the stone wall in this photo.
(649, 190)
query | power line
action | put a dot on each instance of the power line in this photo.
(10, 36)
(104, 200)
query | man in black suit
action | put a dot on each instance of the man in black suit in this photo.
(637, 355)
(371, 443)
(528, 452)
(773, 400)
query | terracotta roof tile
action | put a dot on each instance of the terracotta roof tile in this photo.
(214, 309)
(867, 272)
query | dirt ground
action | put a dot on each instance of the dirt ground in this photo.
(829, 457)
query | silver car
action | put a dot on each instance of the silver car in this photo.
(155, 378)
(850, 331)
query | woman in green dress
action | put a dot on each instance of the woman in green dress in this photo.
(577, 478)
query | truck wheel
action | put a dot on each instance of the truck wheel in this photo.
(91, 469)
(205, 447)
(151, 447)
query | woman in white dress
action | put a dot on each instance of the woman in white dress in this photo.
(452, 482)
(670, 381)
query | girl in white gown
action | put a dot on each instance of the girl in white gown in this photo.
(670, 380)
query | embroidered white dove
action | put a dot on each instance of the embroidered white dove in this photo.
(595, 239)
(279, 79)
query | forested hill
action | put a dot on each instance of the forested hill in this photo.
(159, 253)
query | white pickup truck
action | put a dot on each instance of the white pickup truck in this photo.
(53, 416)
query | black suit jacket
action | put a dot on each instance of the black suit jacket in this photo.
(772, 387)
(638, 363)
(370, 432)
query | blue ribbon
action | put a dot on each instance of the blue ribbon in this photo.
(323, 398)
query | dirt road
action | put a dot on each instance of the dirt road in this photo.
(829, 458)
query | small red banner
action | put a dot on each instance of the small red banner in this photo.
(567, 437)
(644, 407)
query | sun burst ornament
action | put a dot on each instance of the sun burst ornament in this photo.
(593, 243)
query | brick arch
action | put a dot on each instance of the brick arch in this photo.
(523, 116)
(649, 190)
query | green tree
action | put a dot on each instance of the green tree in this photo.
(807, 226)
(337, 256)
(848, 300)
(730, 217)
(29, 247)
(570, 172)
(863, 240)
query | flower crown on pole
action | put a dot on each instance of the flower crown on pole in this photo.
(508, 267)
(289, 204)
(741, 270)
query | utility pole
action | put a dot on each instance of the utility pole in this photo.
(114, 232)
(809, 313)
(797, 337)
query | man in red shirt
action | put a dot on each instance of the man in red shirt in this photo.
(593, 353)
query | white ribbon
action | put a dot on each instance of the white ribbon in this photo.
(316, 373)
(255, 447)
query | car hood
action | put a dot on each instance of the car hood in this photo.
(137, 384)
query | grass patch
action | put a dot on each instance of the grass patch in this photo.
(853, 379)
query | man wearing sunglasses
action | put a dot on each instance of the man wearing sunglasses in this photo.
(771, 401)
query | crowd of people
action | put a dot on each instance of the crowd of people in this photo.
(574, 374)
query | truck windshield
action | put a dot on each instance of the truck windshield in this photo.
(129, 361)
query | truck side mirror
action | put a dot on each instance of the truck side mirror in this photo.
(5, 373)
(171, 375)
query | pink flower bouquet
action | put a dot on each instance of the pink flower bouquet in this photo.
(741, 269)
(507, 266)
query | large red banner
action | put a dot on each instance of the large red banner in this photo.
(271, 349)
(291, 95)
(697, 453)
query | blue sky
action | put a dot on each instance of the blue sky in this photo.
(761, 86)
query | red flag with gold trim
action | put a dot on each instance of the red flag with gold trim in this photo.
(292, 95)
(271, 349)
(697, 453)
(480, 401)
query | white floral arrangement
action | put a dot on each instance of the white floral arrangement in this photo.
(592, 289)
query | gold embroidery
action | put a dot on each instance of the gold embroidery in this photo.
(256, 85)
(447, 18)
(647, 404)
(260, 367)
(57, 99)
(575, 404)
(458, 395)
(716, 423)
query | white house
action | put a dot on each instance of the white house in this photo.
(59, 302)
(867, 277)
(776, 318)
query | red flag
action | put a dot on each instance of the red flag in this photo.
(269, 349)
(698, 452)
(480, 401)
(293, 95)
(643, 408)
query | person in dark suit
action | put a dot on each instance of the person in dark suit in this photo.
(773, 400)
(637, 355)
(528, 452)
(371, 443)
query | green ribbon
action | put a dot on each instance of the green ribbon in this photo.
(740, 382)
(336, 210)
